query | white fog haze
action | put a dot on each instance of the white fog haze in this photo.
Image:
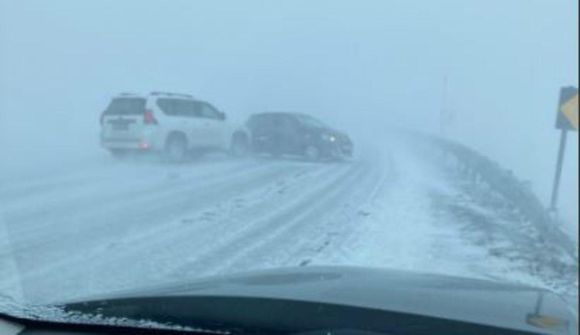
(369, 64)
(368, 69)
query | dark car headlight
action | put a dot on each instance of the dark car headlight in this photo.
(328, 137)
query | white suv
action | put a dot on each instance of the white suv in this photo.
(174, 124)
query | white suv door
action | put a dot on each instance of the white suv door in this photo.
(214, 126)
(183, 115)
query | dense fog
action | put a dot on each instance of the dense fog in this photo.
(362, 66)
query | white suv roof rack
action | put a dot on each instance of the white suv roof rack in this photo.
(128, 94)
(172, 94)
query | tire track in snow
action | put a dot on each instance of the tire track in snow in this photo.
(90, 170)
(309, 230)
(63, 258)
(115, 185)
(328, 235)
(309, 204)
(32, 220)
(118, 216)
(156, 258)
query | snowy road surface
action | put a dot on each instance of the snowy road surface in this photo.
(107, 225)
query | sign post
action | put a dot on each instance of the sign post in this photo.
(556, 185)
(567, 119)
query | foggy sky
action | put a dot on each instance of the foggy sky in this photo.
(361, 65)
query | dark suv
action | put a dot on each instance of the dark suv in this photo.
(296, 134)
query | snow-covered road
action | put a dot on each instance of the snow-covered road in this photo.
(126, 224)
(106, 225)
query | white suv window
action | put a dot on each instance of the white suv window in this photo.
(207, 111)
(179, 107)
(126, 106)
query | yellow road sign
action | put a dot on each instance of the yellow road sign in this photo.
(567, 111)
(570, 110)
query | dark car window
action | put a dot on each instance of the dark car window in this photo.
(255, 122)
(288, 122)
(126, 106)
(310, 121)
(273, 121)
(263, 121)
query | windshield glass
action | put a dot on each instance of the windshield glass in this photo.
(442, 140)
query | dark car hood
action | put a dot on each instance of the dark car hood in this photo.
(327, 130)
(468, 300)
(342, 136)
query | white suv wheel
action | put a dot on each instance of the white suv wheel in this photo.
(176, 149)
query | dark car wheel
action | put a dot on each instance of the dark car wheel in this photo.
(239, 146)
(312, 153)
(274, 148)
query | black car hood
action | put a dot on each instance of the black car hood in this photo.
(466, 300)
(330, 131)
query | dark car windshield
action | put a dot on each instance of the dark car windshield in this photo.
(310, 121)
